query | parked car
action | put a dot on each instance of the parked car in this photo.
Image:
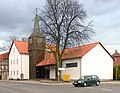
(87, 80)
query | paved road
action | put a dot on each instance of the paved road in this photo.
(14, 87)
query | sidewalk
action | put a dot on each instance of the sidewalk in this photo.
(110, 82)
(42, 82)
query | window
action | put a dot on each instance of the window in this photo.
(17, 72)
(11, 61)
(14, 72)
(2, 67)
(6, 67)
(30, 40)
(11, 72)
(17, 61)
(68, 65)
(14, 61)
(39, 40)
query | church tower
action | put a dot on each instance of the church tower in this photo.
(36, 47)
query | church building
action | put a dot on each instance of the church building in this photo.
(36, 48)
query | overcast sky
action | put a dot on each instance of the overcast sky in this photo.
(16, 18)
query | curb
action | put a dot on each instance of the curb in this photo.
(38, 82)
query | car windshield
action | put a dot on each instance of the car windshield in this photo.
(83, 77)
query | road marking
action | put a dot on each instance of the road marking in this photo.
(106, 89)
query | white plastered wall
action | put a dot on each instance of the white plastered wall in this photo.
(52, 72)
(25, 66)
(75, 72)
(20, 66)
(98, 62)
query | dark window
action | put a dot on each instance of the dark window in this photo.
(11, 61)
(17, 61)
(14, 72)
(11, 72)
(17, 72)
(71, 65)
(14, 61)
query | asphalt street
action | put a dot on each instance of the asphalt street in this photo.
(16, 87)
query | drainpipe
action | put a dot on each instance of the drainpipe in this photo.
(80, 67)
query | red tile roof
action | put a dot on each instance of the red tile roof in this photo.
(4, 55)
(22, 46)
(78, 51)
(69, 53)
(51, 47)
(49, 59)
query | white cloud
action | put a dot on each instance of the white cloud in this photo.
(105, 16)
(16, 18)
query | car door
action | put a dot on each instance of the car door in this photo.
(88, 80)
(93, 79)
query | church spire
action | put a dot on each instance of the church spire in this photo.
(36, 48)
(36, 23)
(36, 30)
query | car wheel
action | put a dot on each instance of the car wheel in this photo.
(85, 84)
(76, 85)
(97, 83)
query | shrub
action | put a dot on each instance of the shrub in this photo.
(116, 69)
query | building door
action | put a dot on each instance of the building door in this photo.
(40, 72)
(47, 74)
(43, 72)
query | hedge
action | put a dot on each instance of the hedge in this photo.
(118, 72)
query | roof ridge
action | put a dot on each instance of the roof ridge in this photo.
(83, 45)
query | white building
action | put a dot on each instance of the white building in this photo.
(90, 59)
(19, 60)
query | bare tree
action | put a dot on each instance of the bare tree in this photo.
(24, 39)
(7, 43)
(63, 24)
